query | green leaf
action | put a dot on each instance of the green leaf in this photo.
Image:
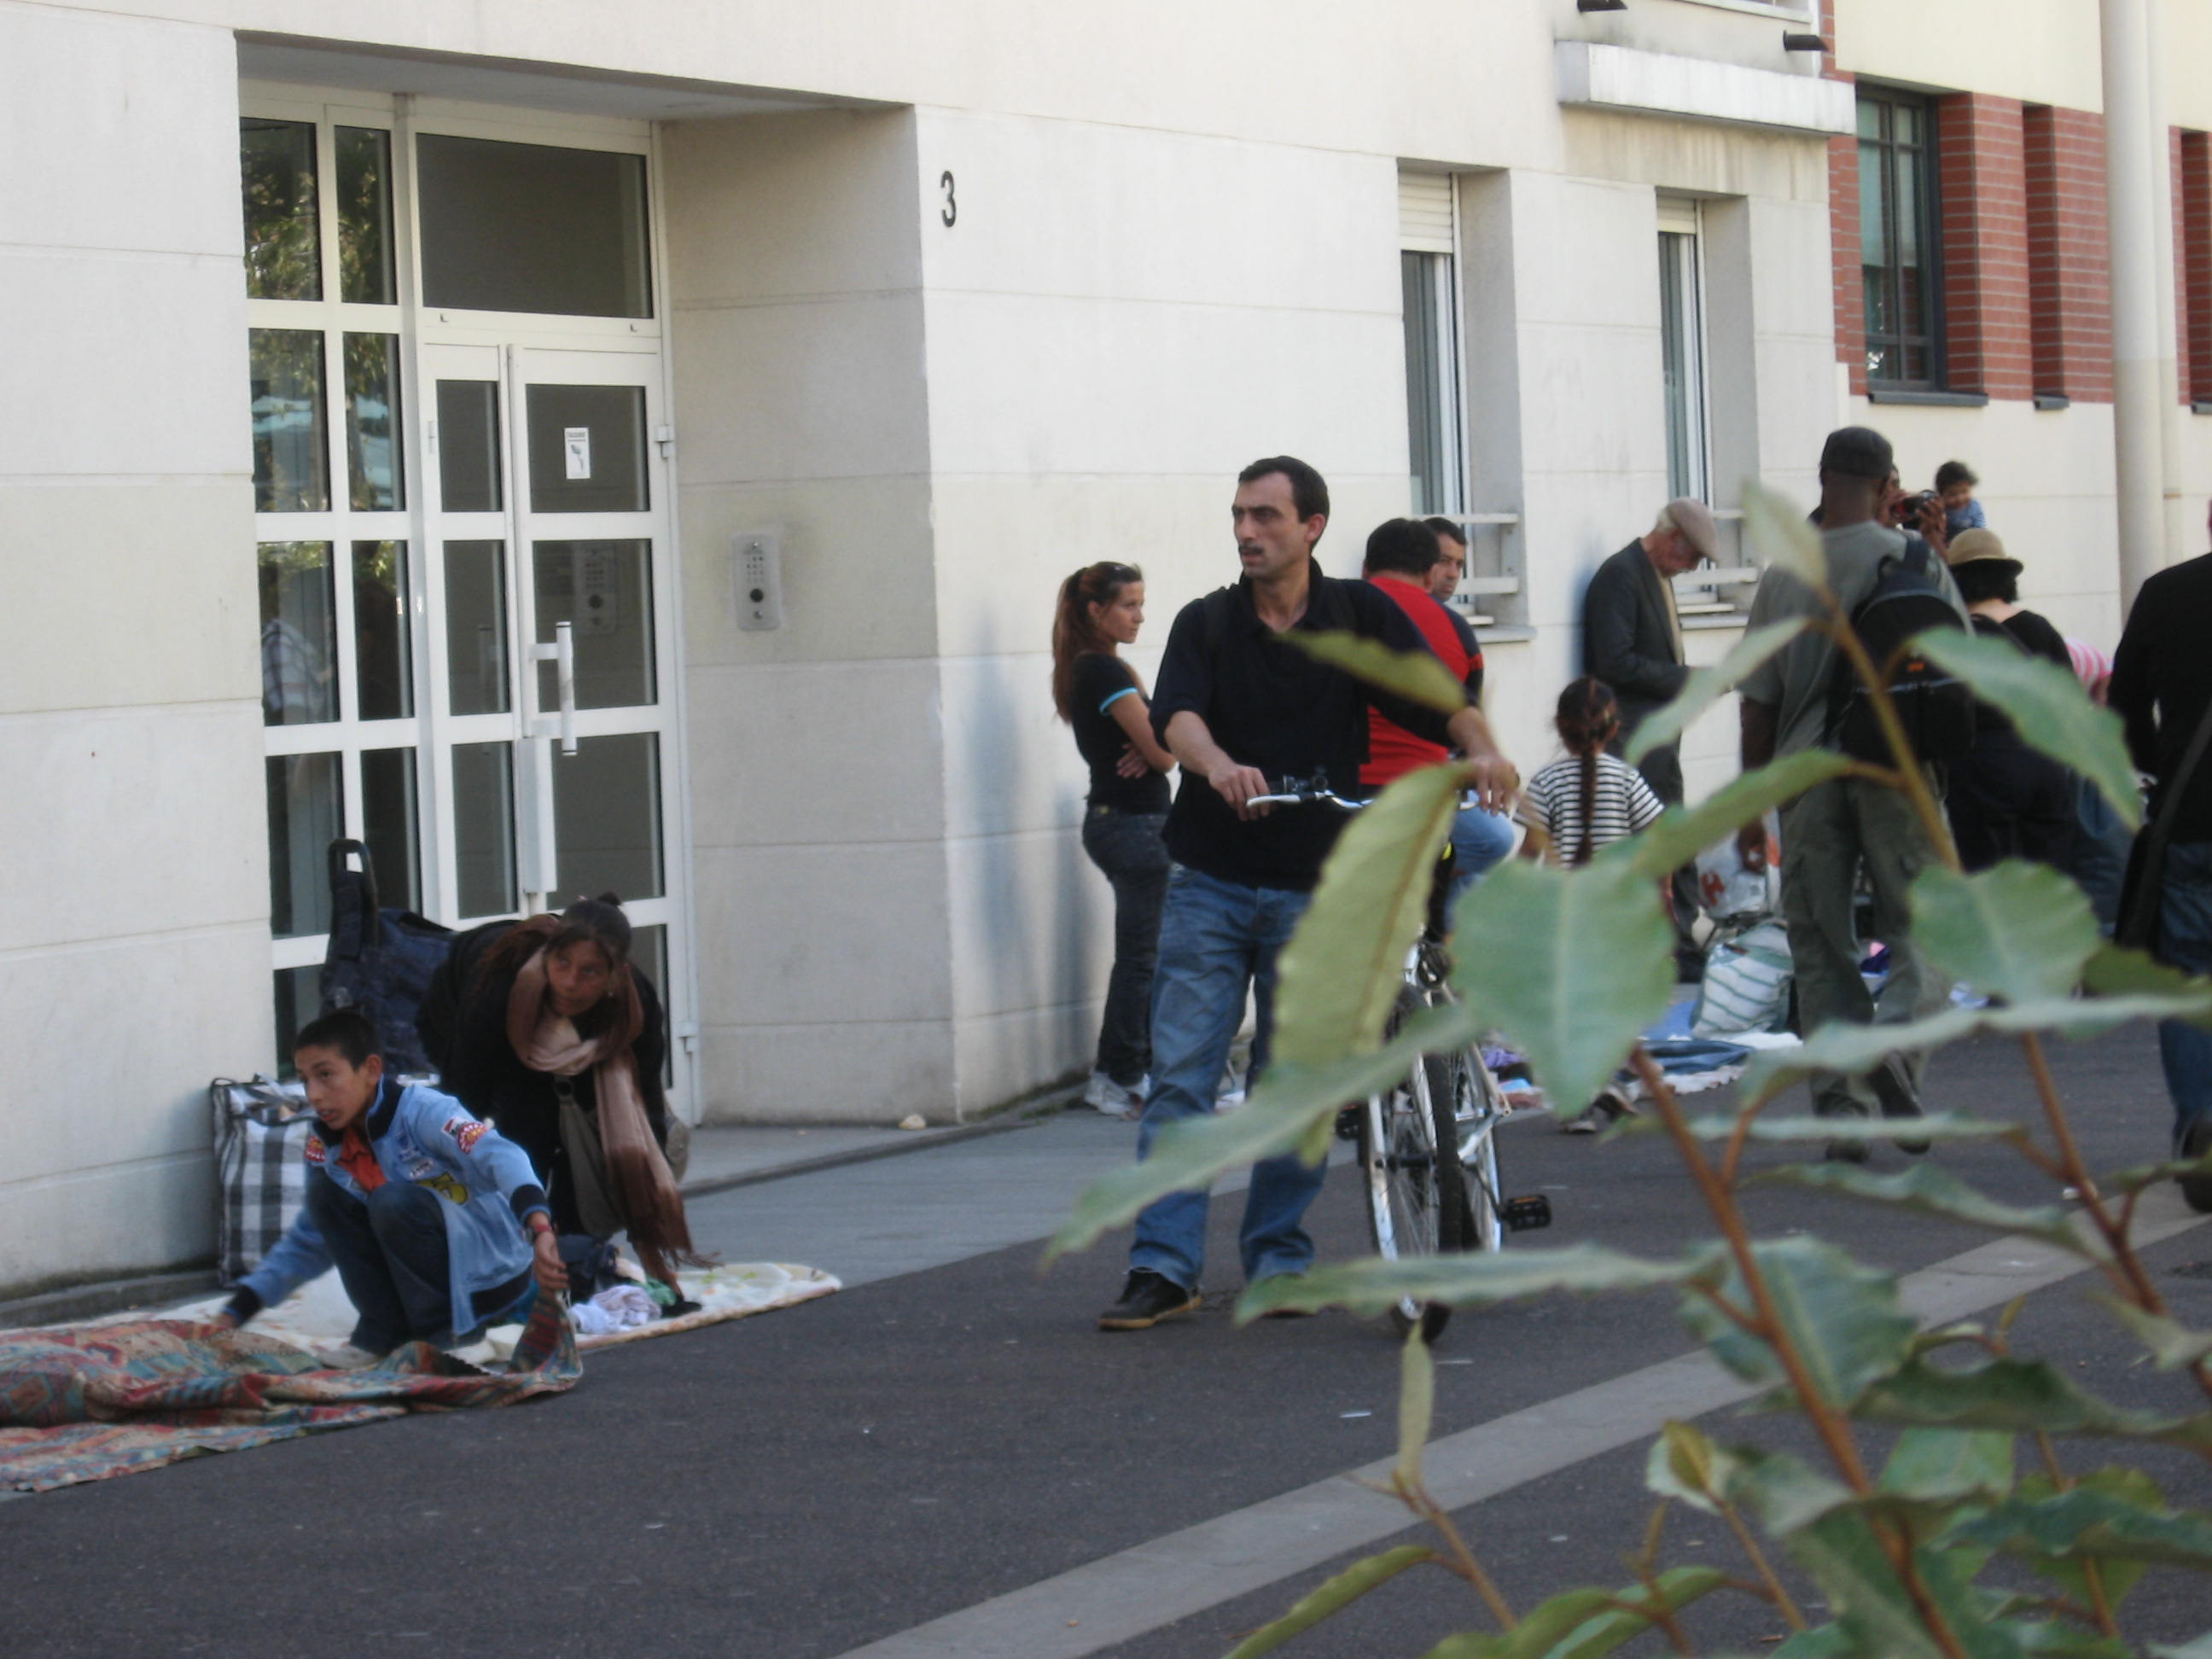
(1570, 965)
(2087, 1521)
(2115, 1578)
(2018, 931)
(1416, 1402)
(1343, 967)
(1931, 1189)
(1783, 1492)
(1852, 1049)
(1873, 1607)
(1686, 1466)
(2199, 1648)
(1681, 833)
(2172, 1345)
(1372, 1286)
(2023, 1395)
(2137, 1176)
(1944, 1466)
(2049, 706)
(2117, 971)
(1417, 676)
(1841, 1317)
(1187, 1156)
(1780, 535)
(1942, 1125)
(1338, 1593)
(1613, 1627)
(1707, 686)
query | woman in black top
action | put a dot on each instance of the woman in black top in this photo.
(1101, 606)
(2006, 800)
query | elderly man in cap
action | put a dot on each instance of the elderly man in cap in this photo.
(1632, 641)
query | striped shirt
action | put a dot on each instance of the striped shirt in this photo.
(1621, 803)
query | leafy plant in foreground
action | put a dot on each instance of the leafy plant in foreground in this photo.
(1899, 1550)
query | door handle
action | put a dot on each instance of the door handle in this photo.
(563, 654)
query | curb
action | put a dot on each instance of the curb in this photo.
(81, 1301)
(1022, 1115)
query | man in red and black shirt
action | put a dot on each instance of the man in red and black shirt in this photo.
(1401, 553)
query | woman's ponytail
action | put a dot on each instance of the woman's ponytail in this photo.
(1074, 631)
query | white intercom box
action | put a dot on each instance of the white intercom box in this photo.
(758, 567)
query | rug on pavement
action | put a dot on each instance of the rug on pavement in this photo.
(317, 1317)
(83, 1402)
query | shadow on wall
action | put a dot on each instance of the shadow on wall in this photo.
(1029, 943)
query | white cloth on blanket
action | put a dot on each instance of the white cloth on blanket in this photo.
(618, 1308)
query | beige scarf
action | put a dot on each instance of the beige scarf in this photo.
(642, 1189)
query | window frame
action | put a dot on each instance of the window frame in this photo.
(1681, 216)
(1929, 171)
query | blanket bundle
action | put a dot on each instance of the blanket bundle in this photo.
(84, 1402)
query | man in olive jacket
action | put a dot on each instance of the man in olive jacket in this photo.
(1632, 641)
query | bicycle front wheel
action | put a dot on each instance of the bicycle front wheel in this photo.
(1416, 1190)
(1478, 1106)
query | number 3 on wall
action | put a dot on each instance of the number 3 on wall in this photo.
(951, 203)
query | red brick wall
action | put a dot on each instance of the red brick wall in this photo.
(1844, 226)
(2192, 260)
(1982, 192)
(2068, 270)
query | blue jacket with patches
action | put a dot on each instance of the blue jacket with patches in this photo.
(420, 1135)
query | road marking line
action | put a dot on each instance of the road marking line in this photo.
(1121, 1597)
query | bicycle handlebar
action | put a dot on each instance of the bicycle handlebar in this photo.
(1315, 792)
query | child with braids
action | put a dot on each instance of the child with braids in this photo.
(1581, 803)
(1589, 799)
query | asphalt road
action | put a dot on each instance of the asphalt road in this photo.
(955, 1443)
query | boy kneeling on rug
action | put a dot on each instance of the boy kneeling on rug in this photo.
(436, 1225)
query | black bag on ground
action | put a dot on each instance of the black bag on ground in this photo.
(1937, 710)
(379, 961)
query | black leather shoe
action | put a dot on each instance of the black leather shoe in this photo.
(1892, 1087)
(2196, 1141)
(1147, 1297)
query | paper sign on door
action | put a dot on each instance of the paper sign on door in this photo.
(576, 448)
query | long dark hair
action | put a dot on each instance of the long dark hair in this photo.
(597, 921)
(1587, 717)
(1074, 631)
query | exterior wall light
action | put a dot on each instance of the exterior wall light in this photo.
(1601, 5)
(1794, 41)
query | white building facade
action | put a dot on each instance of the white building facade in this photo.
(781, 362)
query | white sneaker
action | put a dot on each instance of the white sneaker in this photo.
(1110, 1097)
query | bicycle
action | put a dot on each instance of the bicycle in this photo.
(1421, 1200)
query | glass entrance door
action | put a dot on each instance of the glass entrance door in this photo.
(462, 521)
(548, 592)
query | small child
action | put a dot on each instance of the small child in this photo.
(435, 1223)
(1954, 490)
(1584, 802)
(1590, 798)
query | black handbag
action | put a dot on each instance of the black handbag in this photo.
(2142, 888)
(380, 961)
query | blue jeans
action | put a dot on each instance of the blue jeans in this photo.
(1127, 847)
(1481, 841)
(392, 1258)
(1218, 939)
(2184, 923)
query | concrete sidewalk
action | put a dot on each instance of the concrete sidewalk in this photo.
(723, 1157)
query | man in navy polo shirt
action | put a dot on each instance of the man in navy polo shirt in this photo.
(1240, 711)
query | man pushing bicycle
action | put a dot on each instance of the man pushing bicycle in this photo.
(1237, 707)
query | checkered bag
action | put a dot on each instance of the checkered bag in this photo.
(260, 1130)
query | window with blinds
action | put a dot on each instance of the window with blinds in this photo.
(1426, 227)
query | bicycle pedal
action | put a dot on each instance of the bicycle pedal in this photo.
(1525, 1213)
(1347, 1123)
